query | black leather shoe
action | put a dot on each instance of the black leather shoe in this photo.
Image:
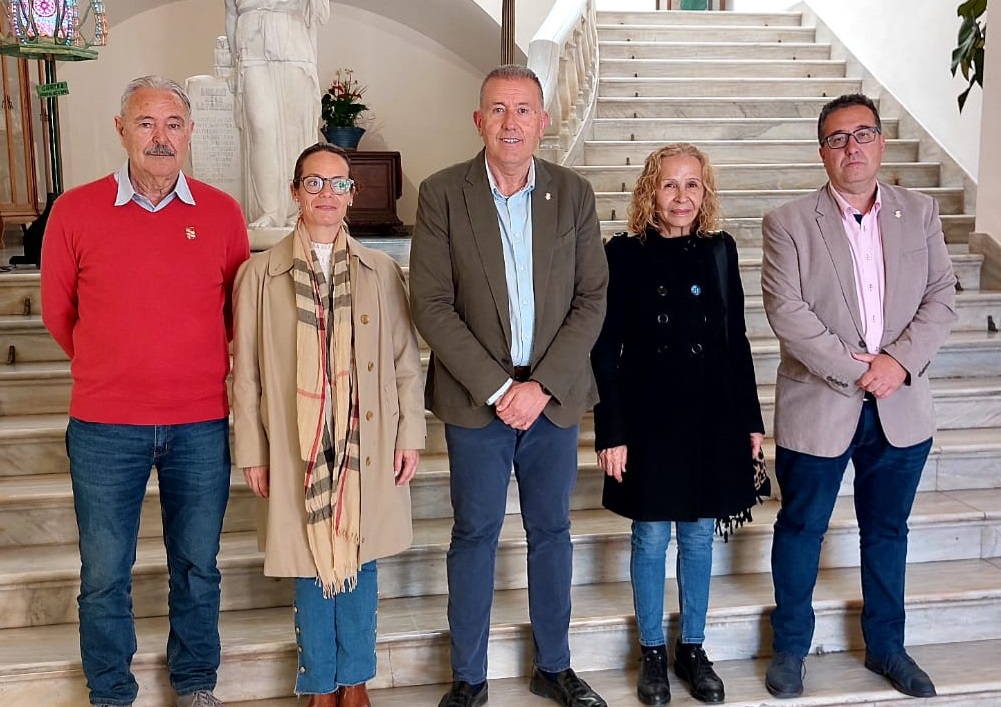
(693, 666)
(462, 694)
(903, 673)
(565, 688)
(652, 687)
(785, 675)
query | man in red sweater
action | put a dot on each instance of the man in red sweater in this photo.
(137, 277)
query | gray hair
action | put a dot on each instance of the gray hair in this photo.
(513, 71)
(157, 83)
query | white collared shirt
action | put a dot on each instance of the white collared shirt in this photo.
(127, 193)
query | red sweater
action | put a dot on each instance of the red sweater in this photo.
(141, 302)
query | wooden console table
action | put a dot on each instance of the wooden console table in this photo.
(379, 177)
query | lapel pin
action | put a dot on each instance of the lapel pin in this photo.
(190, 232)
(896, 213)
(548, 196)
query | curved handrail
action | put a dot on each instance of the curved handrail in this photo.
(564, 55)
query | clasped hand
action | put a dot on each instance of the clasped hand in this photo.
(521, 404)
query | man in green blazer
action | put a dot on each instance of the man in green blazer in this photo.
(507, 282)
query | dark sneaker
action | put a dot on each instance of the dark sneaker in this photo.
(462, 694)
(693, 666)
(652, 687)
(785, 675)
(566, 688)
(903, 673)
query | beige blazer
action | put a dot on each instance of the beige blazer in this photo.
(808, 282)
(460, 300)
(264, 415)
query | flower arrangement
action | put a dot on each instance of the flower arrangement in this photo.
(341, 105)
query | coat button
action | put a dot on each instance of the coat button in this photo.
(662, 318)
(364, 319)
(368, 461)
(302, 671)
(696, 349)
(369, 415)
(371, 365)
(662, 290)
(696, 290)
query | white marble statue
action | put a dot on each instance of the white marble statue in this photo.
(273, 45)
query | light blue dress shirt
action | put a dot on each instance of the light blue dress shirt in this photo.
(126, 193)
(514, 216)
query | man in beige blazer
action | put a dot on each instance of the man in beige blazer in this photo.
(858, 287)
(507, 282)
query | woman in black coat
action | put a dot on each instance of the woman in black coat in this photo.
(679, 421)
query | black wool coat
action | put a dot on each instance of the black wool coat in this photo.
(676, 380)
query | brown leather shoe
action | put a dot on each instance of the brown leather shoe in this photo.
(354, 696)
(328, 700)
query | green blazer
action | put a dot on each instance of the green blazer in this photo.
(459, 293)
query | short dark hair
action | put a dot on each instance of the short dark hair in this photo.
(850, 99)
(312, 150)
(513, 71)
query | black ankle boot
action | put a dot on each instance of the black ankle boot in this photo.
(692, 666)
(652, 687)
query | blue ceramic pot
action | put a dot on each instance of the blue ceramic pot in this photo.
(344, 137)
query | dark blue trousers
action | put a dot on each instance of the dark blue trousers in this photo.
(544, 459)
(886, 480)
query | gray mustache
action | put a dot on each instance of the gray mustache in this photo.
(160, 151)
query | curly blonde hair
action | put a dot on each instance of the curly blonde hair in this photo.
(643, 205)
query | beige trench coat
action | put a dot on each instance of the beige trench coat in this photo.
(390, 394)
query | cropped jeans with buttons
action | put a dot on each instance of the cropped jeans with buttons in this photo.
(110, 466)
(335, 636)
(647, 571)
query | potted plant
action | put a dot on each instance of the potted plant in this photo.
(340, 109)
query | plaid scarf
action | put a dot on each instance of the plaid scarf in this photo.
(328, 428)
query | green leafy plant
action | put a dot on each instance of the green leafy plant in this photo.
(341, 106)
(968, 56)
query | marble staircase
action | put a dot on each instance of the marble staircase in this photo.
(746, 88)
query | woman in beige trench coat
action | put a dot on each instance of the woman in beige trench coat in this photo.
(357, 411)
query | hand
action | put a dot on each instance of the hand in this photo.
(258, 479)
(613, 461)
(756, 439)
(884, 376)
(522, 404)
(405, 465)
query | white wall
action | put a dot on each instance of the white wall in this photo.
(988, 203)
(422, 95)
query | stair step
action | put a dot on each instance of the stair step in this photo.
(950, 601)
(710, 107)
(39, 584)
(19, 293)
(965, 675)
(605, 153)
(34, 387)
(758, 202)
(746, 230)
(614, 46)
(684, 129)
(634, 88)
(29, 339)
(614, 32)
(718, 19)
(765, 176)
(721, 68)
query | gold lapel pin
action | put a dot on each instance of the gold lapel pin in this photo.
(190, 233)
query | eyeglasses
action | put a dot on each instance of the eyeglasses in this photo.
(338, 185)
(838, 140)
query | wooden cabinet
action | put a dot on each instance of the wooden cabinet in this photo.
(379, 180)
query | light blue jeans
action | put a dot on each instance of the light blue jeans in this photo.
(109, 467)
(647, 570)
(335, 636)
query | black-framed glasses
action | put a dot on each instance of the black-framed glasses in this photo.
(838, 140)
(338, 185)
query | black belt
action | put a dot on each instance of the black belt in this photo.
(522, 373)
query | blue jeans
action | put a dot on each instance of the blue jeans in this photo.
(110, 466)
(544, 458)
(647, 565)
(886, 479)
(336, 635)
